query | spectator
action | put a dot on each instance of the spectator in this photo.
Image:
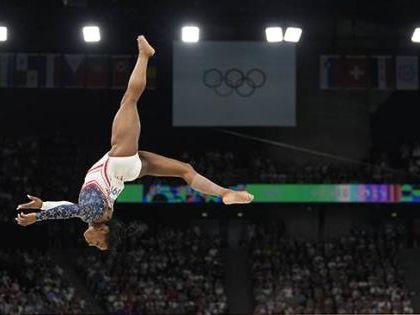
(32, 284)
(357, 273)
(166, 271)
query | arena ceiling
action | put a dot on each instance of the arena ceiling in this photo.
(38, 21)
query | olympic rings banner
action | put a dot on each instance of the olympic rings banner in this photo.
(234, 84)
(279, 193)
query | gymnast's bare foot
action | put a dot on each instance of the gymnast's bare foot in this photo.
(144, 47)
(232, 197)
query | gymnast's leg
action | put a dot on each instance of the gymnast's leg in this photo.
(158, 165)
(126, 124)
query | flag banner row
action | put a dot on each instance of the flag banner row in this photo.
(79, 71)
(369, 72)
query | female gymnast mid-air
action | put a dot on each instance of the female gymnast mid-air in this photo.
(123, 163)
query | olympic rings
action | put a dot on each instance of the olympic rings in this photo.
(224, 84)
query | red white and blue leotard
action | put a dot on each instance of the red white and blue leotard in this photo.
(103, 183)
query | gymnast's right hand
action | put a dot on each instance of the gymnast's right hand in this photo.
(35, 203)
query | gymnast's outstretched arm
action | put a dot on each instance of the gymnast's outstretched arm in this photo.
(51, 210)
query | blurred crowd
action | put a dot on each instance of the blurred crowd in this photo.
(166, 271)
(229, 168)
(30, 166)
(410, 159)
(358, 273)
(18, 172)
(32, 283)
(54, 168)
(177, 271)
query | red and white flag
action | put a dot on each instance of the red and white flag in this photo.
(356, 74)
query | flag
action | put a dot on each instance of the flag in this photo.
(382, 72)
(28, 67)
(97, 71)
(407, 72)
(73, 71)
(356, 72)
(152, 75)
(7, 69)
(122, 66)
(331, 72)
(49, 75)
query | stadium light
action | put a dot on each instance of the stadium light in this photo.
(91, 34)
(416, 35)
(293, 34)
(3, 33)
(190, 34)
(274, 34)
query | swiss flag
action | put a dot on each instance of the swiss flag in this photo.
(356, 74)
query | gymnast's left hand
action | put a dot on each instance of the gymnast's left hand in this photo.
(35, 203)
(26, 219)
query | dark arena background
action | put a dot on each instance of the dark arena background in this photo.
(311, 106)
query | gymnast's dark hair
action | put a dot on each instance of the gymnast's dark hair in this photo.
(119, 232)
(116, 234)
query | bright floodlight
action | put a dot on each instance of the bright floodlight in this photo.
(91, 34)
(190, 34)
(274, 34)
(416, 36)
(293, 34)
(3, 33)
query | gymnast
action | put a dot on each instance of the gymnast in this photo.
(123, 163)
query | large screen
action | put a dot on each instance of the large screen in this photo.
(294, 193)
(224, 83)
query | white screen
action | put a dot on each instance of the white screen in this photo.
(234, 84)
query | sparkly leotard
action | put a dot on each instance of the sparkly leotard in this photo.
(91, 207)
(103, 183)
